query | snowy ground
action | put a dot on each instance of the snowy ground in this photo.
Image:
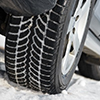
(80, 88)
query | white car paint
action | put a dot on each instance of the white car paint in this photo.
(92, 41)
(2, 42)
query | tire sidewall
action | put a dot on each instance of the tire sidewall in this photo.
(63, 81)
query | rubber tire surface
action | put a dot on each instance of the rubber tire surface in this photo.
(34, 48)
(89, 69)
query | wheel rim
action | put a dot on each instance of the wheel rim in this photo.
(75, 34)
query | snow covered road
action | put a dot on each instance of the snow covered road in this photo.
(80, 88)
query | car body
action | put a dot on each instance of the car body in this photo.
(93, 37)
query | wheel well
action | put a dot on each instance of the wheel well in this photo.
(3, 21)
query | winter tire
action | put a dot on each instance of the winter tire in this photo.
(88, 68)
(42, 51)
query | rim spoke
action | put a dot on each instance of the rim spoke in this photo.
(78, 7)
(65, 61)
(76, 42)
(85, 8)
(71, 23)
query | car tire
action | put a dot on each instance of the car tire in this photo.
(88, 68)
(37, 47)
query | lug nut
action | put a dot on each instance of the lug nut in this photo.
(74, 30)
(77, 18)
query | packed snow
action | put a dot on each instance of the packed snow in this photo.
(80, 88)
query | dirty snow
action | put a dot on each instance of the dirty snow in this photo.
(80, 88)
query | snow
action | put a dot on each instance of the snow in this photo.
(80, 88)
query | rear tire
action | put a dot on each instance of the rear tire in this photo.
(35, 48)
(89, 69)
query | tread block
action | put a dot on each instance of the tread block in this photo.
(14, 29)
(38, 43)
(45, 73)
(34, 76)
(35, 61)
(46, 62)
(24, 41)
(61, 2)
(53, 26)
(32, 81)
(20, 59)
(36, 49)
(47, 56)
(22, 81)
(20, 75)
(43, 17)
(25, 19)
(21, 54)
(22, 48)
(21, 65)
(55, 17)
(48, 50)
(10, 60)
(15, 21)
(34, 66)
(58, 9)
(11, 49)
(45, 77)
(11, 71)
(39, 34)
(23, 34)
(20, 70)
(24, 26)
(41, 26)
(34, 71)
(51, 34)
(12, 37)
(45, 82)
(45, 67)
(10, 55)
(35, 55)
(49, 42)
